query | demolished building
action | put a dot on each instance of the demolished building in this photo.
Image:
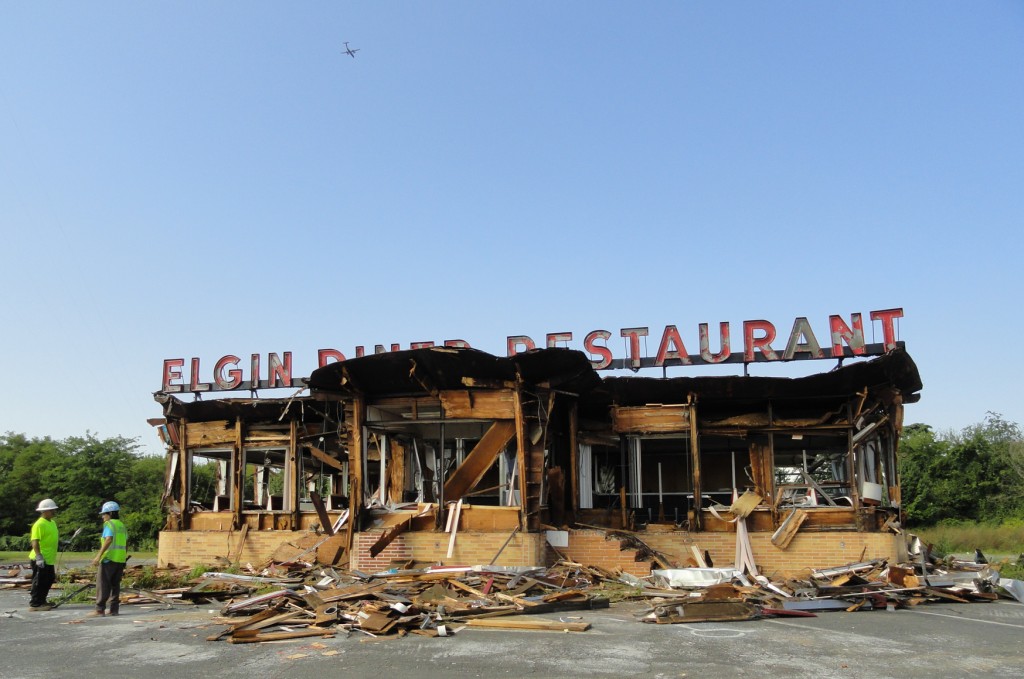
(453, 456)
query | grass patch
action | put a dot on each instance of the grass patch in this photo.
(951, 537)
(618, 591)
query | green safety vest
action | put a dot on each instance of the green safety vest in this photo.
(118, 550)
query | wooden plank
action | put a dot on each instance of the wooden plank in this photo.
(745, 504)
(528, 624)
(388, 536)
(788, 530)
(651, 419)
(396, 470)
(479, 460)
(478, 404)
(328, 551)
(241, 543)
(327, 459)
(321, 513)
(761, 469)
(281, 636)
(466, 588)
(206, 434)
(455, 528)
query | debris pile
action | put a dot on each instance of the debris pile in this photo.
(431, 601)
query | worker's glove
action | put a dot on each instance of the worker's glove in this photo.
(40, 561)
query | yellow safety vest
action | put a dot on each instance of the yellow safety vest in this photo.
(118, 550)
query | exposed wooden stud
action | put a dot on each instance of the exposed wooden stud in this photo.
(298, 484)
(238, 477)
(355, 470)
(698, 499)
(185, 469)
(574, 445)
(521, 443)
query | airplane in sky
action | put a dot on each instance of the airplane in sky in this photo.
(349, 51)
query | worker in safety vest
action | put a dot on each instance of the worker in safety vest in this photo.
(111, 559)
(43, 538)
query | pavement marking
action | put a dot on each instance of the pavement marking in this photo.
(717, 633)
(957, 617)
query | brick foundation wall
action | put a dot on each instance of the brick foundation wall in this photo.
(471, 548)
(806, 551)
(184, 549)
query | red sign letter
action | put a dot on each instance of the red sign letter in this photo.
(764, 343)
(841, 332)
(802, 328)
(671, 336)
(324, 356)
(194, 383)
(593, 349)
(172, 371)
(555, 337)
(234, 375)
(515, 341)
(279, 373)
(634, 335)
(724, 340)
(888, 332)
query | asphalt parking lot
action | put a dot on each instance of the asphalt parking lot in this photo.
(936, 640)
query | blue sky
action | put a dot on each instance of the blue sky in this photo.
(201, 179)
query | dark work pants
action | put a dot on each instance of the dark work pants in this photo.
(42, 579)
(108, 586)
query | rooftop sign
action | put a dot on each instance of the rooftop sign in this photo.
(760, 342)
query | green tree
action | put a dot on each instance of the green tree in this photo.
(95, 471)
(79, 473)
(965, 475)
(140, 501)
(28, 470)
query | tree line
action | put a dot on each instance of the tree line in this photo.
(79, 473)
(974, 474)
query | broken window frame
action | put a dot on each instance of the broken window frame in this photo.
(225, 461)
(288, 481)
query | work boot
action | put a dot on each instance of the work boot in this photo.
(94, 614)
(44, 607)
(114, 612)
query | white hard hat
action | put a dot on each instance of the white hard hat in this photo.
(110, 507)
(46, 504)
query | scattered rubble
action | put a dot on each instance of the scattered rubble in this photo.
(297, 600)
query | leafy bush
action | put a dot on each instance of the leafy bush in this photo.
(15, 543)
